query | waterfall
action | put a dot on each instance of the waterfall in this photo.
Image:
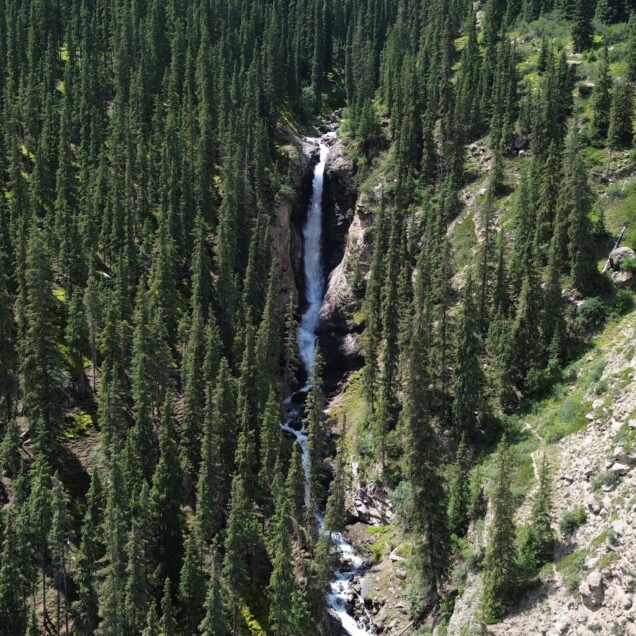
(341, 589)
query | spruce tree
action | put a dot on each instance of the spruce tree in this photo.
(12, 592)
(538, 543)
(575, 201)
(165, 500)
(10, 450)
(602, 100)
(582, 30)
(152, 622)
(429, 512)
(59, 539)
(500, 568)
(468, 404)
(215, 621)
(91, 550)
(282, 585)
(168, 623)
(7, 348)
(191, 588)
(621, 121)
(42, 377)
(459, 491)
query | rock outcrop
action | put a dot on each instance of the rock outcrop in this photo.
(338, 332)
(622, 261)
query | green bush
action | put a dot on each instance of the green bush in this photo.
(607, 478)
(571, 520)
(591, 315)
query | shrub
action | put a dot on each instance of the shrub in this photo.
(591, 315)
(571, 520)
(607, 478)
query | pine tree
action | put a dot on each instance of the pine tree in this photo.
(209, 491)
(165, 499)
(112, 598)
(234, 568)
(215, 620)
(194, 395)
(294, 485)
(138, 598)
(621, 122)
(168, 624)
(336, 509)
(429, 512)
(290, 345)
(315, 433)
(10, 450)
(152, 622)
(602, 100)
(42, 378)
(538, 543)
(582, 30)
(459, 491)
(59, 537)
(282, 584)
(500, 569)
(575, 200)
(191, 588)
(7, 347)
(90, 551)
(468, 383)
(270, 441)
(12, 593)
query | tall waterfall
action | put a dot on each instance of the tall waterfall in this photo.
(341, 589)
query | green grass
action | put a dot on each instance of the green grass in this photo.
(572, 567)
(565, 418)
(463, 240)
(382, 543)
(620, 211)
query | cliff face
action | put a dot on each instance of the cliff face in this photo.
(342, 232)
(287, 221)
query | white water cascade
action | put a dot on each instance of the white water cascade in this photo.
(341, 588)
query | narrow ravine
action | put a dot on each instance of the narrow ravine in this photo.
(350, 563)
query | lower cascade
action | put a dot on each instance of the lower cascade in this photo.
(341, 587)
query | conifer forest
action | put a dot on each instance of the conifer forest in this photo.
(317, 317)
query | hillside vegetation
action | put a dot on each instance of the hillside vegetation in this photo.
(153, 186)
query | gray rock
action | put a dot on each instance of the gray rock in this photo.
(619, 469)
(592, 590)
(619, 527)
(623, 457)
(620, 255)
(592, 504)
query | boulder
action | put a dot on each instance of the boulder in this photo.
(592, 590)
(372, 505)
(624, 457)
(592, 504)
(619, 469)
(620, 255)
(619, 527)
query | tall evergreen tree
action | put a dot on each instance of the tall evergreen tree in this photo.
(500, 569)
(165, 500)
